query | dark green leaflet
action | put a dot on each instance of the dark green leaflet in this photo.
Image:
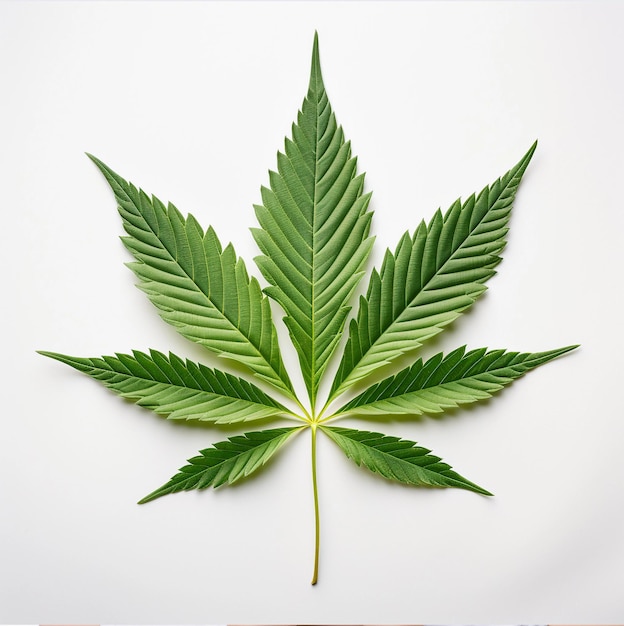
(446, 382)
(398, 459)
(430, 279)
(176, 388)
(314, 231)
(226, 462)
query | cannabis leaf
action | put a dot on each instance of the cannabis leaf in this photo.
(199, 287)
(398, 459)
(181, 390)
(314, 237)
(227, 461)
(315, 227)
(432, 277)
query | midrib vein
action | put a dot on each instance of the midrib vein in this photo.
(313, 293)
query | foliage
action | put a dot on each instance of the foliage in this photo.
(314, 224)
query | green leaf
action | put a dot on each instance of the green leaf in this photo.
(313, 235)
(446, 382)
(314, 232)
(397, 459)
(182, 390)
(200, 288)
(226, 462)
(432, 277)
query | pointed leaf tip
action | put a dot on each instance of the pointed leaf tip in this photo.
(104, 169)
(94, 158)
(316, 77)
(520, 168)
(532, 149)
(526, 159)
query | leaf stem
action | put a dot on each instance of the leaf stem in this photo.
(320, 415)
(333, 416)
(307, 415)
(316, 508)
(294, 417)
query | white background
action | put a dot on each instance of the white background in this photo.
(192, 101)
